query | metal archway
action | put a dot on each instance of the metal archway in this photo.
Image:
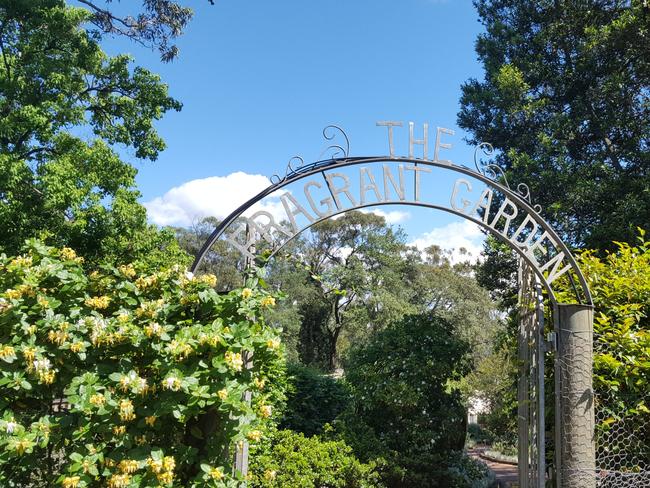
(506, 213)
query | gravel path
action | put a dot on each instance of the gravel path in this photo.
(506, 474)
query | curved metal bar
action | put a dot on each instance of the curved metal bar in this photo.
(318, 166)
(480, 223)
(345, 151)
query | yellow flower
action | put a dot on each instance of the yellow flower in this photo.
(273, 343)
(169, 463)
(119, 481)
(21, 261)
(268, 302)
(123, 318)
(127, 270)
(150, 420)
(128, 466)
(13, 294)
(126, 410)
(209, 279)
(22, 445)
(234, 361)
(265, 411)
(71, 481)
(254, 435)
(246, 293)
(155, 465)
(31, 330)
(57, 337)
(154, 329)
(68, 254)
(119, 430)
(77, 347)
(141, 440)
(97, 400)
(98, 303)
(46, 377)
(223, 394)
(43, 302)
(216, 474)
(165, 478)
(259, 383)
(269, 475)
(6, 352)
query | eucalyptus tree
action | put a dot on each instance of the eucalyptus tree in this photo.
(65, 108)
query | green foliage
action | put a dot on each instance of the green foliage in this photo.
(620, 286)
(565, 102)
(55, 85)
(291, 459)
(401, 383)
(123, 380)
(313, 400)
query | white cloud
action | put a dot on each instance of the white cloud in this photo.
(452, 237)
(391, 217)
(216, 196)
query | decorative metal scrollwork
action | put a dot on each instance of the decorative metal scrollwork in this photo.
(297, 163)
(496, 173)
(329, 133)
(290, 169)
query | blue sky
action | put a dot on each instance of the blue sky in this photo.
(260, 79)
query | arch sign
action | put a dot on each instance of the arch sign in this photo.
(309, 193)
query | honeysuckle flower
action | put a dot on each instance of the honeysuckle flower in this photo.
(234, 361)
(269, 475)
(155, 465)
(254, 435)
(7, 352)
(223, 394)
(268, 302)
(42, 364)
(246, 293)
(11, 426)
(216, 474)
(71, 481)
(77, 347)
(265, 411)
(171, 383)
(97, 400)
(150, 420)
(273, 343)
(119, 481)
(98, 303)
(169, 463)
(127, 270)
(259, 383)
(126, 410)
(68, 254)
(119, 430)
(128, 466)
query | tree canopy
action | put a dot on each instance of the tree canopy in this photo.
(67, 108)
(565, 101)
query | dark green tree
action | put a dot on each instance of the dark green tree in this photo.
(65, 107)
(565, 102)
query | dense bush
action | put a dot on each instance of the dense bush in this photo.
(401, 384)
(313, 400)
(119, 380)
(289, 459)
(620, 285)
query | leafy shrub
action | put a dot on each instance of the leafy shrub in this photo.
(313, 400)
(400, 381)
(289, 459)
(113, 379)
(620, 285)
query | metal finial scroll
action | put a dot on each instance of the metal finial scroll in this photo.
(329, 133)
(298, 161)
(496, 173)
